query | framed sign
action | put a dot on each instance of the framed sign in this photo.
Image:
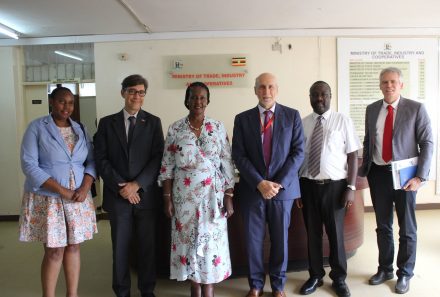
(222, 71)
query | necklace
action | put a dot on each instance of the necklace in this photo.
(191, 126)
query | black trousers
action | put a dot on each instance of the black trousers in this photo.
(133, 229)
(322, 206)
(384, 199)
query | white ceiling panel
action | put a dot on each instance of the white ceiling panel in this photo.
(61, 18)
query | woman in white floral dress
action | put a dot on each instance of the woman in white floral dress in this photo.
(197, 175)
(57, 207)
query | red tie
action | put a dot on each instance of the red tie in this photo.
(387, 143)
(267, 137)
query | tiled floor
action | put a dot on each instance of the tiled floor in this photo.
(20, 267)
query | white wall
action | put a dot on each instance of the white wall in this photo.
(87, 106)
(11, 125)
(310, 59)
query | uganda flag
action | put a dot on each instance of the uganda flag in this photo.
(238, 61)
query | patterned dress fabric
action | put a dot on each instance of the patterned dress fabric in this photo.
(201, 169)
(55, 221)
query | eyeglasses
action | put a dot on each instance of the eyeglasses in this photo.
(141, 93)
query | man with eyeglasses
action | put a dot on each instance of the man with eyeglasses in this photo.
(328, 178)
(128, 152)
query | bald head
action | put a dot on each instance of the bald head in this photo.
(264, 76)
(266, 89)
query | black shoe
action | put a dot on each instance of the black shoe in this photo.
(341, 289)
(402, 285)
(310, 285)
(380, 277)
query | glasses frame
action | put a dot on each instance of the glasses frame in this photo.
(133, 92)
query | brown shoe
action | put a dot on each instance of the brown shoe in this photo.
(254, 293)
(278, 294)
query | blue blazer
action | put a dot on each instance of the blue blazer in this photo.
(44, 155)
(287, 152)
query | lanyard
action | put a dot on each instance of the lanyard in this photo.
(269, 123)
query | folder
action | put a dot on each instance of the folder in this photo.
(403, 171)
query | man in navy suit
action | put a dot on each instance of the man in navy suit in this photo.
(128, 150)
(410, 135)
(267, 149)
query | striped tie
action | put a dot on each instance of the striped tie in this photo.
(316, 148)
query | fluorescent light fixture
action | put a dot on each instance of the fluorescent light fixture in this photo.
(7, 31)
(68, 55)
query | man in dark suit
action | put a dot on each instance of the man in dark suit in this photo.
(128, 151)
(267, 148)
(395, 129)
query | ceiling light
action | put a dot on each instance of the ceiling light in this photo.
(8, 31)
(68, 55)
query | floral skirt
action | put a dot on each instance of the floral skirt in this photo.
(55, 221)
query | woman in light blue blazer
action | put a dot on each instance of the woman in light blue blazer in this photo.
(57, 208)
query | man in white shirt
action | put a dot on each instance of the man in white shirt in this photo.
(328, 177)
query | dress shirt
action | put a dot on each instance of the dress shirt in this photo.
(339, 140)
(380, 126)
(262, 116)
(127, 121)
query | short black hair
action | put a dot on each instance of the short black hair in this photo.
(193, 85)
(320, 82)
(58, 90)
(134, 80)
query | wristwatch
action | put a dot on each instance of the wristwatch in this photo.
(351, 187)
(421, 179)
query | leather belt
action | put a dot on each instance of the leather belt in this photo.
(383, 167)
(320, 181)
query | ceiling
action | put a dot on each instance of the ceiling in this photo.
(79, 18)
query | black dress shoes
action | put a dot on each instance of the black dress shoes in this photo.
(402, 285)
(341, 289)
(380, 277)
(310, 285)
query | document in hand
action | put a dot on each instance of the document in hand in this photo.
(403, 171)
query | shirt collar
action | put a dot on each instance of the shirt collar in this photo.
(325, 115)
(127, 115)
(394, 104)
(262, 110)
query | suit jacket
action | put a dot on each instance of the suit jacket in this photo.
(412, 135)
(117, 163)
(287, 152)
(44, 155)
